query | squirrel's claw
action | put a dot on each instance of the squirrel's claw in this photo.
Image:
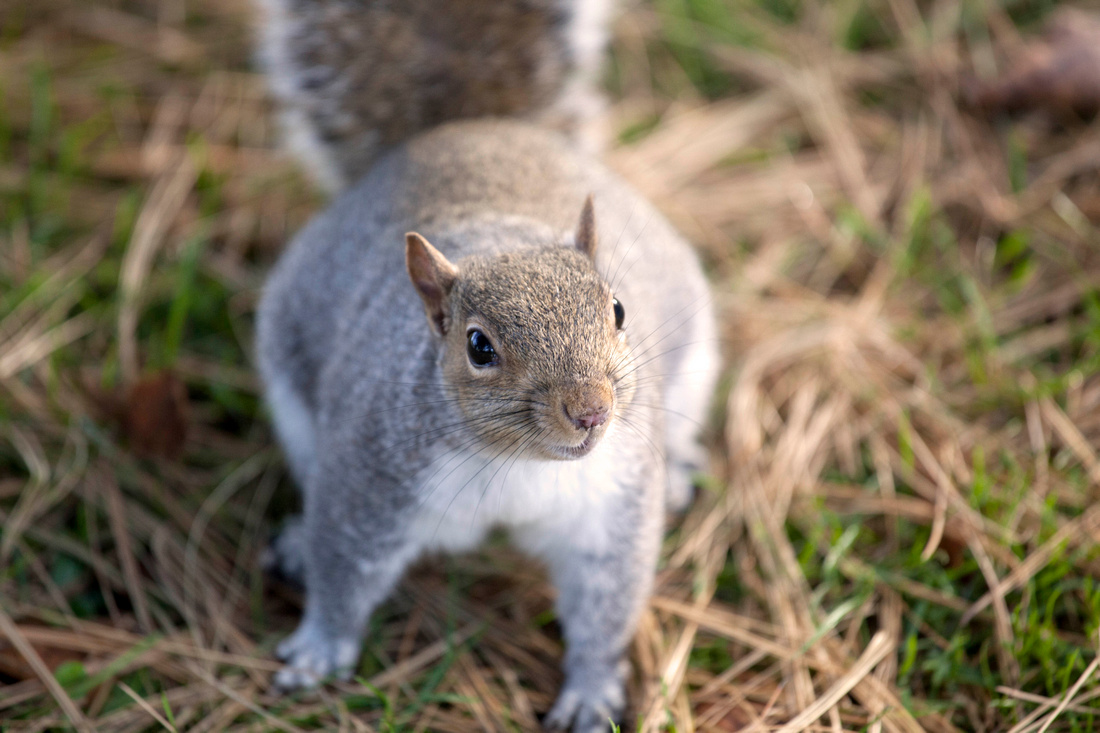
(587, 708)
(310, 657)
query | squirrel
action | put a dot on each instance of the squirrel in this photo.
(488, 329)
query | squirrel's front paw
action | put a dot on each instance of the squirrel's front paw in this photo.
(285, 556)
(590, 703)
(311, 656)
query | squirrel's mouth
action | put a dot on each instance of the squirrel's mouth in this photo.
(584, 448)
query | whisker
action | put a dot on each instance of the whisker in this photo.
(455, 453)
(514, 454)
(645, 378)
(455, 400)
(457, 425)
(662, 458)
(469, 480)
(633, 351)
(615, 280)
(504, 481)
(451, 455)
(615, 249)
(635, 367)
(626, 411)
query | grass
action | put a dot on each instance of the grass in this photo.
(899, 532)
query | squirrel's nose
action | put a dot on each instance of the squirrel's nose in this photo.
(589, 419)
(588, 408)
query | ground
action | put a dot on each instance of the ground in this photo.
(899, 528)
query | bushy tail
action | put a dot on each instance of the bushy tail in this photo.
(356, 76)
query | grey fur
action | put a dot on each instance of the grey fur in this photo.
(386, 422)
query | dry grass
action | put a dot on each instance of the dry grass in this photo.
(900, 533)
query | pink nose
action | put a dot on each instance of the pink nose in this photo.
(589, 418)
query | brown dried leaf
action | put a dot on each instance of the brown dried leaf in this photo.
(1059, 73)
(156, 414)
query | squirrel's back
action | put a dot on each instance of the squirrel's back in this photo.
(355, 77)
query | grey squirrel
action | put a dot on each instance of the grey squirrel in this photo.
(488, 329)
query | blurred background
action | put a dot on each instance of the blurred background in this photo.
(897, 203)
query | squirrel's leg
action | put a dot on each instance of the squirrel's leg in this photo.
(604, 575)
(355, 552)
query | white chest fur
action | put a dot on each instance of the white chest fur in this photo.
(464, 494)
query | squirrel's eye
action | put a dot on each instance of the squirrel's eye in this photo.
(478, 348)
(620, 314)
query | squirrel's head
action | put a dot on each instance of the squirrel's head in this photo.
(534, 349)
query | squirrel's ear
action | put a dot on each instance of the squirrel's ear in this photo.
(432, 275)
(585, 236)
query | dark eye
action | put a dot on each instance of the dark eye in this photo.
(620, 314)
(478, 348)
